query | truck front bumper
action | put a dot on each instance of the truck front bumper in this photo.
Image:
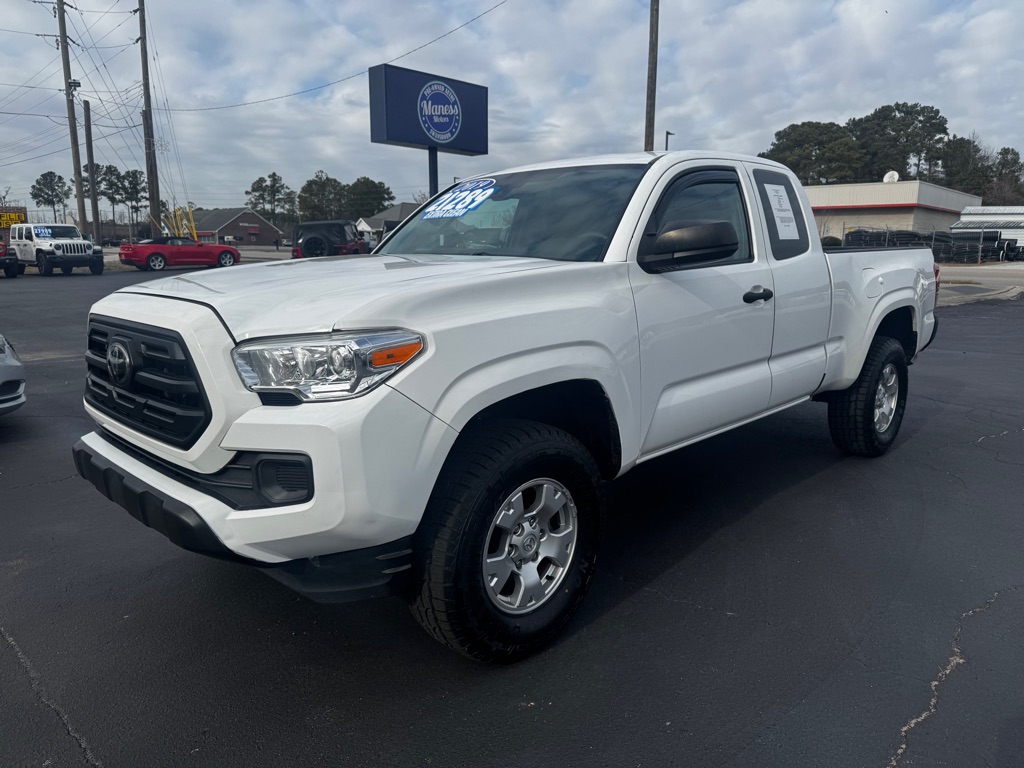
(73, 260)
(337, 577)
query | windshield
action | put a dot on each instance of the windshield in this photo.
(565, 214)
(54, 231)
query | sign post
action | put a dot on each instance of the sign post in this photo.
(424, 111)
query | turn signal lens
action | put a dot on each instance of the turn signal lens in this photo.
(384, 358)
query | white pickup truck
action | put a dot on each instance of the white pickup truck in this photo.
(437, 419)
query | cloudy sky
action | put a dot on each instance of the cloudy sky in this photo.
(566, 78)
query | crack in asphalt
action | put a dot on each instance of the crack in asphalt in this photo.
(947, 473)
(40, 691)
(43, 482)
(955, 660)
(1004, 433)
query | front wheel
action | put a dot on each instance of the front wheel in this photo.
(865, 419)
(96, 267)
(226, 259)
(509, 540)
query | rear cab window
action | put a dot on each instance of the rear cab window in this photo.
(783, 215)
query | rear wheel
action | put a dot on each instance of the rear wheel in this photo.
(43, 265)
(12, 271)
(865, 419)
(225, 259)
(509, 540)
(314, 247)
(156, 262)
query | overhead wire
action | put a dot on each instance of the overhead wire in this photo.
(48, 154)
(172, 139)
(343, 79)
(99, 70)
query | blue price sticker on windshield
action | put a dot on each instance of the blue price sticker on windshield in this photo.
(460, 200)
(43, 231)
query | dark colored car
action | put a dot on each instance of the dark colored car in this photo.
(9, 261)
(163, 252)
(326, 238)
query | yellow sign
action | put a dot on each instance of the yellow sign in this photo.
(8, 220)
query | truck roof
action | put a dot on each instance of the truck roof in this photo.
(632, 158)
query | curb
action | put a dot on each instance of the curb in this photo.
(1003, 294)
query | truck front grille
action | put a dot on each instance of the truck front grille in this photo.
(144, 377)
(73, 249)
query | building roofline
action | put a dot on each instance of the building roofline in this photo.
(825, 208)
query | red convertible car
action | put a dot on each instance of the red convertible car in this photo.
(177, 252)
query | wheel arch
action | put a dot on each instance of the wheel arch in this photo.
(895, 315)
(580, 407)
(563, 385)
(901, 324)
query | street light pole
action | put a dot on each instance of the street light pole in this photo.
(667, 134)
(652, 77)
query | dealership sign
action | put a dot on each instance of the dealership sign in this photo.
(416, 109)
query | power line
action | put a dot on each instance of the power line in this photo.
(32, 114)
(57, 152)
(343, 79)
(98, 69)
(61, 90)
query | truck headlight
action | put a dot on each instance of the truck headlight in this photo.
(325, 367)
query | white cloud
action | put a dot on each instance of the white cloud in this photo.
(565, 77)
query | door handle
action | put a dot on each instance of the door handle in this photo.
(751, 296)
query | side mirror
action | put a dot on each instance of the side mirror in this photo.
(681, 245)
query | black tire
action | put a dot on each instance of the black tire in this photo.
(43, 265)
(314, 247)
(852, 413)
(225, 259)
(21, 269)
(156, 262)
(12, 271)
(450, 598)
(96, 267)
(65, 270)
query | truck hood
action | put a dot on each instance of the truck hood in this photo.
(337, 292)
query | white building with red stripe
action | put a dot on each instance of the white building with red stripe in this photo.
(899, 205)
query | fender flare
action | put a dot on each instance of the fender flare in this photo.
(479, 388)
(845, 356)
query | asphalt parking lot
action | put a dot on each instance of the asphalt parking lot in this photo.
(762, 600)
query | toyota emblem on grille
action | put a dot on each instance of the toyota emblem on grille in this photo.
(119, 363)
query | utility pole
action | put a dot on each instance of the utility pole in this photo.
(69, 92)
(94, 199)
(652, 78)
(155, 214)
